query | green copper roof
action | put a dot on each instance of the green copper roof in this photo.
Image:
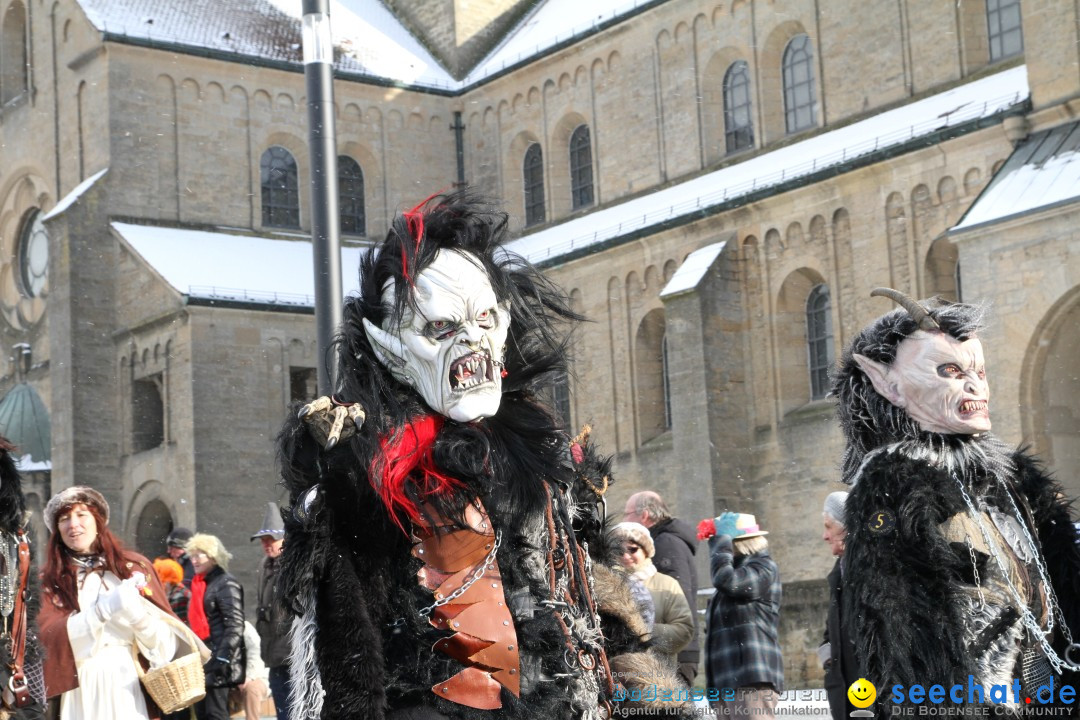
(25, 422)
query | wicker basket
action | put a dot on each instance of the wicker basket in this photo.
(180, 683)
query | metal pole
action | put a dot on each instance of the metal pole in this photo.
(322, 141)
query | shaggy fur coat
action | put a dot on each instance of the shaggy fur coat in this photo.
(911, 600)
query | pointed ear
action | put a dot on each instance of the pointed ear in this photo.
(387, 347)
(879, 378)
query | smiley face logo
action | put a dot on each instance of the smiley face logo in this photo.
(861, 693)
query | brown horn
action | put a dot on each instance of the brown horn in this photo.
(918, 313)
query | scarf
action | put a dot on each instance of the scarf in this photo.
(645, 571)
(196, 612)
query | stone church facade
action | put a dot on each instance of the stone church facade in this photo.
(713, 322)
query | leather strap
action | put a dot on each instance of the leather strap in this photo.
(17, 683)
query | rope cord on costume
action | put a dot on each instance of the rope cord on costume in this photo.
(1026, 616)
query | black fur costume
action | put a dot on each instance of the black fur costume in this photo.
(348, 572)
(911, 599)
(13, 517)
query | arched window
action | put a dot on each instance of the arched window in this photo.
(738, 125)
(280, 193)
(581, 184)
(13, 74)
(800, 99)
(819, 340)
(533, 181)
(1004, 28)
(351, 196)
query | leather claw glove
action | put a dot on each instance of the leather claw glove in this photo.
(725, 525)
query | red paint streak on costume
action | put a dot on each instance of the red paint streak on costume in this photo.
(406, 456)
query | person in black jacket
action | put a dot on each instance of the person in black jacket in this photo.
(272, 619)
(837, 652)
(676, 543)
(216, 615)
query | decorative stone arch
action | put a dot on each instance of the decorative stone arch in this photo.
(14, 65)
(557, 164)
(650, 379)
(941, 269)
(791, 338)
(712, 98)
(1050, 389)
(818, 234)
(151, 515)
(795, 237)
(25, 200)
(972, 181)
(770, 77)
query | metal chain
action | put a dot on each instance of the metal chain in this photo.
(975, 570)
(1026, 616)
(1055, 606)
(476, 575)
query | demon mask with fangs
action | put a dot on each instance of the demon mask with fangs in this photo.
(449, 345)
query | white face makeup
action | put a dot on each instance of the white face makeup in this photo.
(938, 380)
(451, 349)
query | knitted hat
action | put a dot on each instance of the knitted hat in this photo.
(272, 524)
(168, 570)
(635, 533)
(74, 496)
(834, 506)
(178, 537)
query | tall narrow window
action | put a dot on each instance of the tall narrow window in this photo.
(1005, 31)
(351, 196)
(13, 72)
(533, 181)
(738, 125)
(819, 340)
(280, 188)
(666, 370)
(581, 184)
(560, 398)
(800, 98)
(147, 413)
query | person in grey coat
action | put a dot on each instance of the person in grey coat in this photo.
(272, 619)
(743, 656)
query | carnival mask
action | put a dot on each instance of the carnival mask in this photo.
(450, 348)
(939, 380)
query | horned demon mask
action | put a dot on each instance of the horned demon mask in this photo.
(450, 343)
(939, 380)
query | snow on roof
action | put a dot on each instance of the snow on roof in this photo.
(978, 99)
(1042, 171)
(27, 464)
(69, 199)
(242, 268)
(692, 270)
(370, 39)
(549, 24)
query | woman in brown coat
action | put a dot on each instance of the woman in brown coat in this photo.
(98, 600)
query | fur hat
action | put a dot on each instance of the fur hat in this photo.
(73, 496)
(212, 546)
(636, 533)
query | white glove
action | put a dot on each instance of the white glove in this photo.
(122, 604)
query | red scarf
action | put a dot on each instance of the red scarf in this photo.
(196, 612)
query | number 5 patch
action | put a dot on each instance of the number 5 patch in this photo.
(882, 522)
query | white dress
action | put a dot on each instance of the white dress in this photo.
(108, 683)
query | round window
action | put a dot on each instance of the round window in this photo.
(33, 255)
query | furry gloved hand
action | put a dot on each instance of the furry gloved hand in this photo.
(725, 525)
(331, 420)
